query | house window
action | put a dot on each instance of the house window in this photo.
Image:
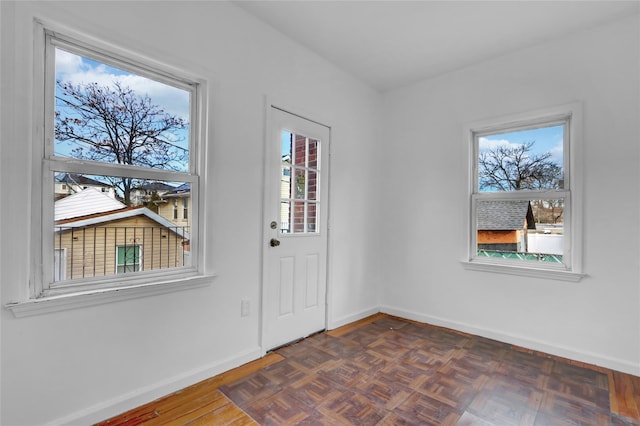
(122, 123)
(523, 201)
(185, 209)
(175, 209)
(128, 259)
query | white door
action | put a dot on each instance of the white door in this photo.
(295, 223)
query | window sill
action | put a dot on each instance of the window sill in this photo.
(45, 305)
(551, 274)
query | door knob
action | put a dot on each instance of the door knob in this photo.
(274, 242)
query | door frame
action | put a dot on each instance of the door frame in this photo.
(269, 105)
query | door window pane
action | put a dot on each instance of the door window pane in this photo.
(298, 217)
(300, 184)
(312, 185)
(312, 217)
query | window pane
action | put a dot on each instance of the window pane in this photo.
(312, 217)
(286, 146)
(521, 229)
(300, 150)
(298, 217)
(285, 215)
(100, 231)
(312, 187)
(300, 185)
(107, 114)
(529, 159)
(128, 259)
(313, 153)
(285, 183)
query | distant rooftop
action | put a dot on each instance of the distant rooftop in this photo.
(74, 179)
(156, 186)
(182, 191)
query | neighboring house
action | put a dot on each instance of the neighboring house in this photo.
(68, 184)
(97, 238)
(150, 193)
(504, 225)
(176, 205)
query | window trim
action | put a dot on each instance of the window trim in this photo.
(571, 270)
(36, 299)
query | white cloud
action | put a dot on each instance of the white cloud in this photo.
(557, 153)
(490, 144)
(67, 63)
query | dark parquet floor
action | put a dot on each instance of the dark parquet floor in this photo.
(396, 372)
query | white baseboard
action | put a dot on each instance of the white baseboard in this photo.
(141, 396)
(352, 318)
(518, 340)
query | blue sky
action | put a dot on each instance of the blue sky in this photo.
(286, 143)
(547, 139)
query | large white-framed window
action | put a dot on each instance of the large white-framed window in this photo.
(524, 194)
(114, 122)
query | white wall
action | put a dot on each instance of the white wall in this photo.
(398, 202)
(424, 191)
(86, 364)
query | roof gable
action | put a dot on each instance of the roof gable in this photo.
(504, 215)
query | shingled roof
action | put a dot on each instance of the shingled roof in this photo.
(504, 215)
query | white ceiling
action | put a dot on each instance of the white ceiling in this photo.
(389, 44)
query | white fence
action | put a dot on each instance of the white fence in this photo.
(545, 243)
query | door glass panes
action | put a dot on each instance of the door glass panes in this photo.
(299, 183)
(530, 230)
(530, 159)
(107, 114)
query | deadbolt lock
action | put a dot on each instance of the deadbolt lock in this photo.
(274, 225)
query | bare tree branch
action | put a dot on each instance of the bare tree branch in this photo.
(115, 124)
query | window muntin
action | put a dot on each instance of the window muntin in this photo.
(163, 108)
(520, 200)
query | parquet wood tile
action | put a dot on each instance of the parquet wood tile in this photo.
(384, 370)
